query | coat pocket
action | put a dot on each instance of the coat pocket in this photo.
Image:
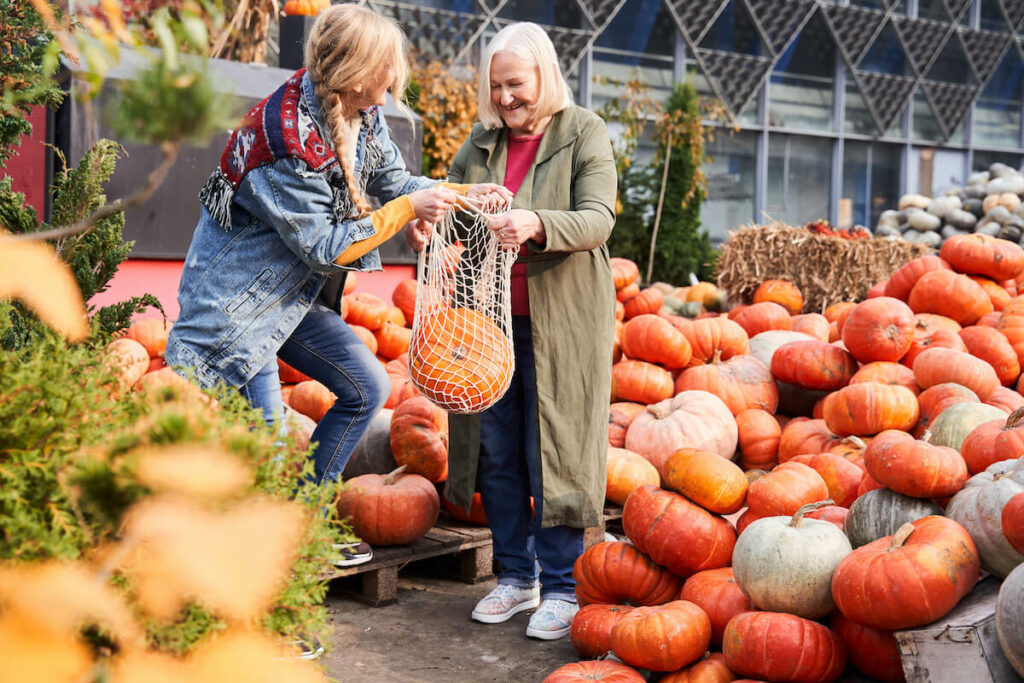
(254, 292)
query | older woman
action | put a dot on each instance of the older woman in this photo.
(547, 437)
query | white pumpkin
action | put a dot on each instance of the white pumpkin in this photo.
(786, 564)
(978, 507)
(692, 419)
(1010, 618)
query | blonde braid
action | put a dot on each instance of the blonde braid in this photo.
(336, 122)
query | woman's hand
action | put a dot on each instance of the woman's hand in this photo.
(516, 226)
(417, 234)
(431, 204)
(489, 192)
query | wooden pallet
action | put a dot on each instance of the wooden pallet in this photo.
(471, 543)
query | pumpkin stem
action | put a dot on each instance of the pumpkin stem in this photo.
(901, 536)
(661, 410)
(1014, 418)
(717, 358)
(927, 437)
(390, 479)
(856, 441)
(798, 516)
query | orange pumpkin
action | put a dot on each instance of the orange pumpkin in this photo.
(813, 364)
(782, 292)
(996, 293)
(841, 476)
(461, 360)
(785, 489)
(608, 573)
(305, 7)
(404, 296)
(392, 340)
(759, 434)
(709, 336)
(640, 382)
(391, 509)
(933, 321)
(879, 329)
(906, 276)
(707, 479)
(887, 373)
(591, 630)
(650, 338)
(837, 313)
(914, 468)
(312, 399)
(419, 438)
(626, 471)
(662, 637)
(994, 441)
(782, 647)
(764, 316)
(992, 346)
(626, 293)
(870, 407)
(933, 400)
(803, 435)
(366, 310)
(620, 415)
(151, 333)
(1005, 399)
(717, 593)
(647, 301)
(1012, 520)
(624, 271)
(813, 324)
(926, 339)
(980, 254)
(938, 366)
(290, 375)
(950, 294)
(713, 669)
(742, 382)
(365, 336)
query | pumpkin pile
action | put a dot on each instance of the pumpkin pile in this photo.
(798, 486)
(305, 7)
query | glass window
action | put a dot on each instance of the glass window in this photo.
(729, 169)
(749, 114)
(886, 55)
(869, 4)
(992, 17)
(923, 123)
(733, 31)
(641, 26)
(871, 182)
(885, 180)
(858, 118)
(983, 159)
(932, 9)
(803, 81)
(853, 204)
(997, 110)
(950, 66)
(799, 176)
(566, 14)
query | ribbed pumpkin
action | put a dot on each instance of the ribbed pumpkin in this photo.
(608, 573)
(392, 340)
(1005, 399)
(653, 339)
(419, 438)
(813, 364)
(692, 419)
(594, 670)
(712, 669)
(742, 382)
(1010, 618)
(774, 646)
(906, 276)
(624, 271)
(476, 514)
(591, 630)
(927, 339)
(915, 468)
(640, 382)
(837, 312)
(993, 441)
(390, 509)
(782, 292)
(935, 399)
(952, 427)
(758, 439)
(647, 301)
(785, 490)
(312, 399)
(706, 478)
(886, 373)
(813, 324)
(873, 652)
(786, 564)
(151, 333)
(841, 475)
(662, 637)
(979, 508)
(879, 329)
(950, 294)
(711, 336)
(127, 360)
(881, 512)
(366, 310)
(716, 592)
(620, 415)
(290, 375)
(655, 520)
(908, 579)
(626, 471)
(938, 366)
(996, 293)
(762, 317)
(992, 347)
(933, 321)
(1012, 520)
(792, 399)
(983, 255)
(870, 407)
(803, 435)
(404, 296)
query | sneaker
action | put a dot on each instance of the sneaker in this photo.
(552, 620)
(504, 601)
(353, 554)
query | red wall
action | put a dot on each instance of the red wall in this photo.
(28, 167)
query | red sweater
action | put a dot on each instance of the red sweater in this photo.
(521, 153)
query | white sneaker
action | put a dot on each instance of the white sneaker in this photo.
(504, 601)
(552, 620)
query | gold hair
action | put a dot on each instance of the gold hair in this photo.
(349, 48)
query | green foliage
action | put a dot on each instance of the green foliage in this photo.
(27, 57)
(67, 473)
(93, 256)
(638, 193)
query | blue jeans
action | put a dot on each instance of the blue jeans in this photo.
(508, 474)
(324, 347)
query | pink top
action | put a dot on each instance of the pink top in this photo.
(521, 153)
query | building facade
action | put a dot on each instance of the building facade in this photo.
(837, 108)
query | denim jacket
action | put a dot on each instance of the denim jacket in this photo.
(244, 289)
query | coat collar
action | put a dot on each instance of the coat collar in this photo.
(563, 130)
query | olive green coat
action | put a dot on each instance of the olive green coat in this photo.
(572, 187)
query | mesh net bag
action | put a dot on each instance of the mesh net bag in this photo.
(460, 356)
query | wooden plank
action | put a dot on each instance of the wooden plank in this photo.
(960, 647)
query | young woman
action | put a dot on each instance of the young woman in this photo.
(286, 208)
(547, 437)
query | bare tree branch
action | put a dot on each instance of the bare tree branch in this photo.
(155, 178)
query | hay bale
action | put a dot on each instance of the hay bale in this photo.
(826, 269)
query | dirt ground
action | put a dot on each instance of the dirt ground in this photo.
(428, 635)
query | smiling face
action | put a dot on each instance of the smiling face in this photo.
(375, 92)
(515, 90)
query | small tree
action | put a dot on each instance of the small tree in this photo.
(447, 103)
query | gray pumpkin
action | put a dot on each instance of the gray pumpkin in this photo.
(978, 507)
(975, 206)
(954, 423)
(961, 220)
(886, 230)
(881, 512)
(930, 238)
(1010, 618)
(373, 452)
(990, 228)
(1010, 232)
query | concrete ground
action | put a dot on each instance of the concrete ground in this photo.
(429, 637)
